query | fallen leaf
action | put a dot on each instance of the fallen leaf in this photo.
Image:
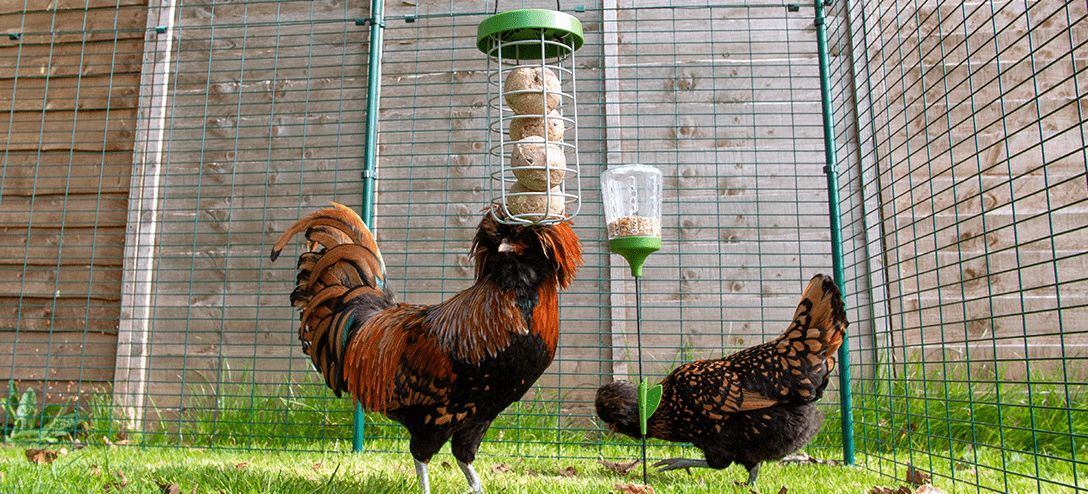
(783, 490)
(929, 489)
(241, 466)
(916, 477)
(808, 459)
(622, 468)
(170, 488)
(41, 456)
(317, 466)
(532, 473)
(880, 489)
(500, 468)
(634, 489)
(446, 465)
(569, 472)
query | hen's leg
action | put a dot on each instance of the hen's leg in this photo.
(677, 463)
(753, 471)
(421, 472)
(470, 475)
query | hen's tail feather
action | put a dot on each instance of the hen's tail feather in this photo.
(340, 284)
(808, 346)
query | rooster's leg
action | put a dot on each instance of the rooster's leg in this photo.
(470, 475)
(677, 463)
(421, 472)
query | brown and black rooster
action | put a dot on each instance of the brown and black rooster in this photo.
(444, 371)
(752, 406)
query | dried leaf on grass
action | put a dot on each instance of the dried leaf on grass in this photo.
(500, 468)
(633, 489)
(43, 456)
(170, 488)
(880, 489)
(925, 489)
(808, 459)
(783, 490)
(119, 484)
(917, 477)
(446, 465)
(111, 444)
(622, 468)
(569, 472)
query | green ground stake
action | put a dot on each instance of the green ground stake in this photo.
(648, 400)
(845, 400)
(373, 86)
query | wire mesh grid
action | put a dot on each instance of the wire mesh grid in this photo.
(168, 147)
(968, 172)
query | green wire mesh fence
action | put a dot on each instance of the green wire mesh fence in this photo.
(964, 125)
(154, 154)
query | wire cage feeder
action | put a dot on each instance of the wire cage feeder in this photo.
(532, 130)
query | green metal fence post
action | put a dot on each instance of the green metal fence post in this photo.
(370, 152)
(845, 400)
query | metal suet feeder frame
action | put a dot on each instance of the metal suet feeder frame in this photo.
(540, 40)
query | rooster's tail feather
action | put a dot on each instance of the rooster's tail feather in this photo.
(340, 284)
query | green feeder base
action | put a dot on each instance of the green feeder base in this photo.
(528, 25)
(635, 250)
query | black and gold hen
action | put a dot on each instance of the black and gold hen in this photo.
(752, 406)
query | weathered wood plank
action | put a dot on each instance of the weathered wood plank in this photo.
(59, 314)
(65, 246)
(57, 93)
(51, 173)
(73, 26)
(68, 60)
(64, 282)
(51, 5)
(64, 358)
(64, 212)
(92, 130)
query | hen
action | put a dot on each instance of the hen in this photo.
(444, 371)
(752, 406)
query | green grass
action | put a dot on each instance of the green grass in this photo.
(145, 469)
(972, 435)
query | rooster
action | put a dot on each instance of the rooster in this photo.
(444, 371)
(752, 406)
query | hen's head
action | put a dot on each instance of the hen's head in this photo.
(617, 406)
(526, 255)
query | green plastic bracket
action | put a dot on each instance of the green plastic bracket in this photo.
(635, 250)
(528, 25)
(649, 398)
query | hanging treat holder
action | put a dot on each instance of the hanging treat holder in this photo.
(532, 140)
(632, 209)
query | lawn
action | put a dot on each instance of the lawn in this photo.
(141, 469)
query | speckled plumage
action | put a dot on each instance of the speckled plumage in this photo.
(753, 405)
(444, 371)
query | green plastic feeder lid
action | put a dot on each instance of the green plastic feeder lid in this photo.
(527, 25)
